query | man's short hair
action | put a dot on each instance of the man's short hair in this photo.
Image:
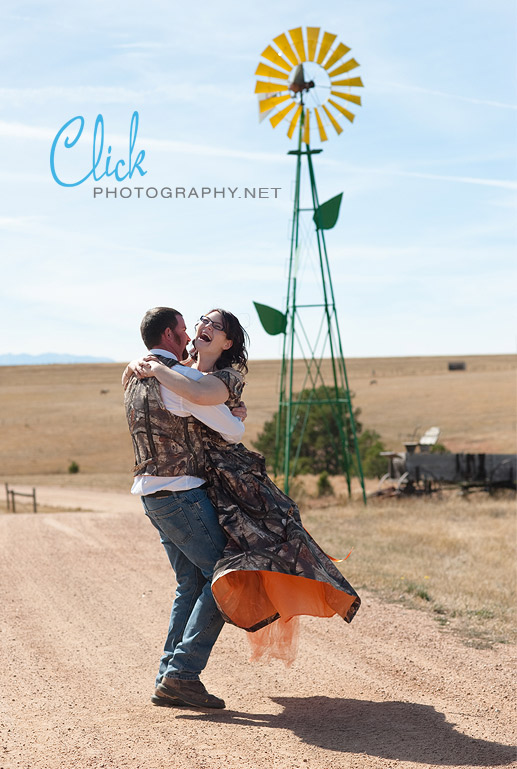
(155, 322)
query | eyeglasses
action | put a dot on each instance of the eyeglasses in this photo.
(210, 322)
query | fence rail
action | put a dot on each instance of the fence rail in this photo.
(11, 495)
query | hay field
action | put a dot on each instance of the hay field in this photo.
(53, 415)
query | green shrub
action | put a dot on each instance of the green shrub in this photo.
(324, 487)
(73, 467)
(370, 446)
(439, 448)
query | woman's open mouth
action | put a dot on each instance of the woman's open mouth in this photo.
(204, 337)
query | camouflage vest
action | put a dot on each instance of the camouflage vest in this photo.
(165, 445)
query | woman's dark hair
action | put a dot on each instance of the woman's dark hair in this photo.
(237, 354)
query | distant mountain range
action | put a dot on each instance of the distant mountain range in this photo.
(46, 358)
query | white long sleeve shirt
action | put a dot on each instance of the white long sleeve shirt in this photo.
(218, 417)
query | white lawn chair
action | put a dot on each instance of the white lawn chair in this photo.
(429, 438)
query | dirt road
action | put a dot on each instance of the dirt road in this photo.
(85, 603)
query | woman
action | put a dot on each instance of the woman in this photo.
(271, 568)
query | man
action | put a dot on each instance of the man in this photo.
(167, 438)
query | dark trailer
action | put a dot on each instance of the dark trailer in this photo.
(416, 473)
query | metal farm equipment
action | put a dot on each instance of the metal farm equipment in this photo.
(420, 472)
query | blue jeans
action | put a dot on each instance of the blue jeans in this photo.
(194, 542)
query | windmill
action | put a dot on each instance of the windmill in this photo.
(303, 81)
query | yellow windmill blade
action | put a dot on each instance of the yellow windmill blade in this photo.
(326, 42)
(313, 34)
(276, 119)
(323, 135)
(283, 43)
(263, 114)
(348, 96)
(274, 57)
(297, 38)
(263, 87)
(338, 54)
(351, 81)
(332, 120)
(294, 121)
(267, 104)
(306, 128)
(349, 115)
(266, 71)
(350, 64)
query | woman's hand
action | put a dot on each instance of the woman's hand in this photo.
(146, 367)
(190, 359)
(240, 411)
(141, 368)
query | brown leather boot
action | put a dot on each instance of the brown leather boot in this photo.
(179, 691)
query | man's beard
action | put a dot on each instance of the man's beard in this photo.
(184, 354)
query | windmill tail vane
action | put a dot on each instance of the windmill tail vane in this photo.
(299, 84)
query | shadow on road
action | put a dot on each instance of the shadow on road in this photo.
(400, 731)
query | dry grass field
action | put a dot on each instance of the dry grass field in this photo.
(52, 415)
(475, 409)
(452, 556)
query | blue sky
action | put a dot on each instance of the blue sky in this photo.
(423, 255)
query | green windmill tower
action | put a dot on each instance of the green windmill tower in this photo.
(303, 79)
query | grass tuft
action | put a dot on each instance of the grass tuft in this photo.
(452, 557)
(418, 590)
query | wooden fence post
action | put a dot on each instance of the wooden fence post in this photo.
(11, 501)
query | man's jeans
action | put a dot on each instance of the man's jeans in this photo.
(194, 542)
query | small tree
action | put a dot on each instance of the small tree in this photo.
(321, 449)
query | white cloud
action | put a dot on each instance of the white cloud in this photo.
(20, 222)
(501, 183)
(141, 45)
(386, 86)
(393, 170)
(11, 130)
(174, 93)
